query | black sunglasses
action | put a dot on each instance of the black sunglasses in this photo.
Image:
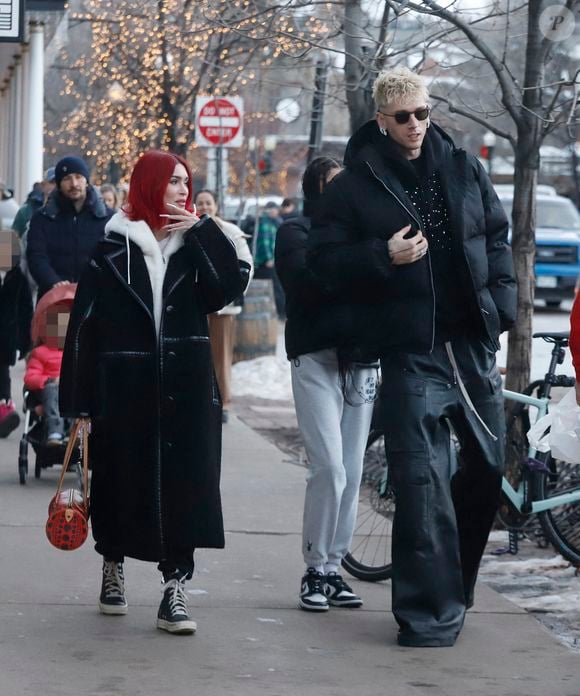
(404, 116)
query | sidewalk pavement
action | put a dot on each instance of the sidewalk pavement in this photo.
(252, 638)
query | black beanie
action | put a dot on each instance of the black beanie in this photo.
(70, 165)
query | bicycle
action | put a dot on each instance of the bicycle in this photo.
(545, 489)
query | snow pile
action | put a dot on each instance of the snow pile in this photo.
(539, 582)
(266, 378)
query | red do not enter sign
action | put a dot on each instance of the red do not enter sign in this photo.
(219, 121)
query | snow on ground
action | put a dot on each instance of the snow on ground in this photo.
(267, 378)
(538, 581)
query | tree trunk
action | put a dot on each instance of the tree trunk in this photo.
(357, 78)
(524, 252)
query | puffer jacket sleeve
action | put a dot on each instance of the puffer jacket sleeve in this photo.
(35, 376)
(299, 282)
(502, 280)
(336, 250)
(78, 370)
(37, 257)
(221, 277)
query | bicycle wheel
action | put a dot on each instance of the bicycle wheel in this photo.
(370, 554)
(561, 524)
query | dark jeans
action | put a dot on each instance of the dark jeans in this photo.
(5, 386)
(441, 524)
(178, 564)
(52, 421)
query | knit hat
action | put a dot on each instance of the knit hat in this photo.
(70, 165)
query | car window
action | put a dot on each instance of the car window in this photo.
(558, 212)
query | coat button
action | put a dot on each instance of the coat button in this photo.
(171, 354)
(170, 309)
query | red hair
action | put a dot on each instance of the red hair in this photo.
(148, 184)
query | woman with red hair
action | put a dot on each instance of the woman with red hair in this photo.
(137, 361)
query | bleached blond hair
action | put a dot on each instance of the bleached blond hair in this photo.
(398, 85)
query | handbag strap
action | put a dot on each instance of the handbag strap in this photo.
(80, 426)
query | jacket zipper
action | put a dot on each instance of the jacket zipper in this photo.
(418, 220)
(159, 429)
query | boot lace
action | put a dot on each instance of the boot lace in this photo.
(113, 579)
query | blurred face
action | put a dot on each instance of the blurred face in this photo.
(74, 187)
(9, 250)
(57, 318)
(109, 198)
(272, 212)
(410, 134)
(47, 187)
(205, 204)
(176, 192)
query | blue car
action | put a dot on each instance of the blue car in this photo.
(557, 265)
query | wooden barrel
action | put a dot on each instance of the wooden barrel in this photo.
(257, 325)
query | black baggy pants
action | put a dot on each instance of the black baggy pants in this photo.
(441, 522)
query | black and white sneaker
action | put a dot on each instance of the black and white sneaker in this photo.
(172, 615)
(112, 600)
(312, 597)
(339, 594)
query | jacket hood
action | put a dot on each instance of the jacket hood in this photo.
(57, 203)
(369, 144)
(139, 232)
(62, 294)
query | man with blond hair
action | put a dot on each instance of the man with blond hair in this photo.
(414, 230)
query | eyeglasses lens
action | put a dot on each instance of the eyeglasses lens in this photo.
(404, 116)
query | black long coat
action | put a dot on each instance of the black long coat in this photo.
(366, 204)
(15, 316)
(153, 400)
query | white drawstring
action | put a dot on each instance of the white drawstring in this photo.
(128, 254)
(463, 390)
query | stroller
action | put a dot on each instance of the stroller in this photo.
(34, 426)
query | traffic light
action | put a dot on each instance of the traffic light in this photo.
(265, 164)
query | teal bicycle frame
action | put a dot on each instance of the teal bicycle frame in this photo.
(518, 498)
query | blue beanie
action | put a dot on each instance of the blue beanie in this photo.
(70, 165)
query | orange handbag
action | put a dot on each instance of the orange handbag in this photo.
(68, 513)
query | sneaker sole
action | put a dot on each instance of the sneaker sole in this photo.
(312, 607)
(181, 628)
(9, 424)
(348, 604)
(111, 610)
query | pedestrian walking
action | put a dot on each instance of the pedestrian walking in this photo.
(15, 318)
(110, 196)
(334, 391)
(137, 361)
(268, 225)
(34, 201)
(64, 232)
(222, 323)
(414, 226)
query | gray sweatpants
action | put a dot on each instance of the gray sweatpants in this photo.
(335, 431)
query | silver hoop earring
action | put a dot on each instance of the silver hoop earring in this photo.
(383, 130)
(428, 122)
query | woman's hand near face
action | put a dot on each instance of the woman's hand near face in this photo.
(179, 221)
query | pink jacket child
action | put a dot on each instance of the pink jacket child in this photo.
(48, 331)
(43, 364)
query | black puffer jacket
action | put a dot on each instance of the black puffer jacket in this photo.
(60, 240)
(15, 316)
(367, 203)
(315, 319)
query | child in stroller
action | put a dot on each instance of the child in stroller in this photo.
(44, 427)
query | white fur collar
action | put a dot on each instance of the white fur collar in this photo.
(139, 232)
